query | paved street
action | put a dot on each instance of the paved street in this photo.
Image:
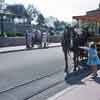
(26, 68)
(21, 67)
(87, 89)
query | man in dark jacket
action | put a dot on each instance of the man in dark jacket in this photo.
(66, 46)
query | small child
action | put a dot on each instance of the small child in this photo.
(93, 59)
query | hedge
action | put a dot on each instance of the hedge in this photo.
(11, 34)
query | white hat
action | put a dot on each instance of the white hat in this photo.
(90, 43)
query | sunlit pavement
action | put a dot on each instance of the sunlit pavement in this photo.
(88, 89)
(22, 48)
(28, 70)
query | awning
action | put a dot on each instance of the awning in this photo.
(87, 18)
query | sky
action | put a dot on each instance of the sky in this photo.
(61, 9)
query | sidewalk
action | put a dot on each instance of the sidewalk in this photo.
(88, 90)
(22, 48)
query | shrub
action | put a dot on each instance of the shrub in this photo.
(19, 34)
(11, 34)
(3, 35)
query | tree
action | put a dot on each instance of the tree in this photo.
(59, 26)
(32, 11)
(41, 19)
(2, 4)
(35, 15)
(2, 1)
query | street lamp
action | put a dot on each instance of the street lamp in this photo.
(3, 7)
(2, 26)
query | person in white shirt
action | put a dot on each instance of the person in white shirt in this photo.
(44, 39)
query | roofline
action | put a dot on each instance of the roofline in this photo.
(87, 18)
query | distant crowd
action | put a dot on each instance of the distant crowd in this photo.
(36, 37)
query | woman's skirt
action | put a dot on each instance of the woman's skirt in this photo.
(93, 61)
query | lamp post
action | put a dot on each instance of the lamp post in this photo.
(3, 7)
(2, 14)
(2, 25)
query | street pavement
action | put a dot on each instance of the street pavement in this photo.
(30, 75)
(88, 89)
(20, 67)
(32, 88)
(19, 70)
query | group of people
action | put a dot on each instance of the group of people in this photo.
(36, 37)
(73, 39)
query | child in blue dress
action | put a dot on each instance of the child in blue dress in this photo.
(93, 59)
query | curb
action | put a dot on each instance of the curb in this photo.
(69, 89)
(25, 49)
(59, 94)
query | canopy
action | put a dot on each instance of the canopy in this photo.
(87, 18)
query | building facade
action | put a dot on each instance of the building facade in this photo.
(90, 20)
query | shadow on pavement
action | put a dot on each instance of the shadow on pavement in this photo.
(76, 77)
(97, 80)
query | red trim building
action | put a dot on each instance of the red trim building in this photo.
(95, 18)
(92, 19)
